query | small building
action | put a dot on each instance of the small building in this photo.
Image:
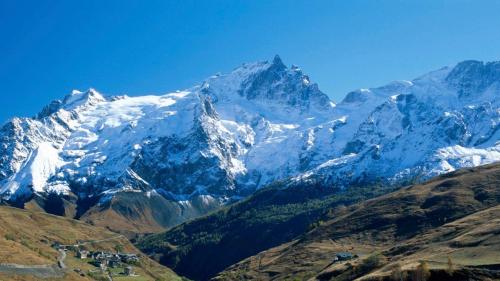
(129, 258)
(114, 264)
(97, 255)
(343, 256)
(114, 261)
(82, 254)
(128, 271)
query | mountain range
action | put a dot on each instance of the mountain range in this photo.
(163, 159)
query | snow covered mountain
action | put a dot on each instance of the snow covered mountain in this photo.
(262, 122)
(413, 130)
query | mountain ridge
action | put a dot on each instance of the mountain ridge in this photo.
(235, 133)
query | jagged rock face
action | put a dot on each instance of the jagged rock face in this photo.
(277, 82)
(21, 137)
(240, 131)
(198, 163)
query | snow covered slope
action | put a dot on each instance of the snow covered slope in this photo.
(262, 122)
(413, 130)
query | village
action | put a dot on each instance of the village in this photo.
(104, 262)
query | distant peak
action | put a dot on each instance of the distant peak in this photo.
(468, 63)
(89, 92)
(466, 67)
(71, 101)
(472, 76)
(78, 98)
(278, 63)
(92, 91)
(277, 60)
(360, 95)
(267, 81)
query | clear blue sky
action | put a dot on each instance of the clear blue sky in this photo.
(48, 48)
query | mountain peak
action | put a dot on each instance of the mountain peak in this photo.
(287, 86)
(278, 62)
(473, 76)
(72, 101)
(78, 98)
(268, 84)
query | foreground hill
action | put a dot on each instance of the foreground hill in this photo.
(189, 152)
(454, 219)
(26, 252)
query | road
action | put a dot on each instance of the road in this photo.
(60, 259)
(39, 271)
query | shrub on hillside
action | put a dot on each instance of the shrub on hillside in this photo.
(374, 261)
(10, 237)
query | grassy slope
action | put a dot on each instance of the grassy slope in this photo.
(127, 213)
(456, 216)
(132, 213)
(26, 238)
(203, 247)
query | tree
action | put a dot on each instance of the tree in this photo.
(373, 261)
(119, 248)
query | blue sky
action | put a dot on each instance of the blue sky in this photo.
(48, 48)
